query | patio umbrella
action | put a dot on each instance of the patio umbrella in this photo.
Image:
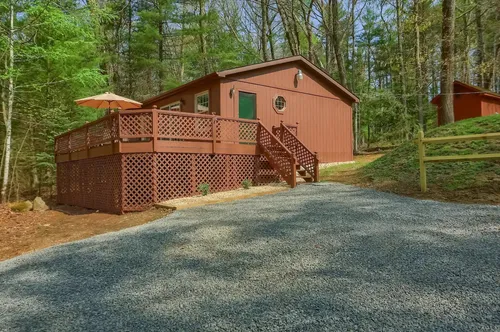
(108, 100)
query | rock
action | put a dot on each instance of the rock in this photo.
(21, 206)
(39, 205)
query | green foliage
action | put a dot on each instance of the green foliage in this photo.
(246, 184)
(204, 188)
(402, 164)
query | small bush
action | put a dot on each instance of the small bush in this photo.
(246, 184)
(204, 188)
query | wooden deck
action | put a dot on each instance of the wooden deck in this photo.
(153, 130)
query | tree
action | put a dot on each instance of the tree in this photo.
(447, 64)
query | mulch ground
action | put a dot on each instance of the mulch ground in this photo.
(24, 232)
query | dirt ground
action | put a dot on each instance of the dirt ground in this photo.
(24, 232)
(350, 174)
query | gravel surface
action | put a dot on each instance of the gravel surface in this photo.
(324, 257)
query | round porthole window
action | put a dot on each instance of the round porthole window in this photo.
(279, 103)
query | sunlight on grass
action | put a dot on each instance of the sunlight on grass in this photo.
(326, 174)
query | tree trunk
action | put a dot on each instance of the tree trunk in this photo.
(448, 36)
(353, 74)
(402, 69)
(466, 68)
(480, 52)
(263, 28)
(418, 62)
(203, 41)
(160, 49)
(339, 57)
(7, 117)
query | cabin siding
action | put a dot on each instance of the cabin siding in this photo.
(324, 117)
(187, 97)
(325, 120)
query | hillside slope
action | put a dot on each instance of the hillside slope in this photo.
(398, 170)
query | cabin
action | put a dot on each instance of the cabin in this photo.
(470, 102)
(290, 90)
(269, 122)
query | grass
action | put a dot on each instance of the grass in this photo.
(398, 170)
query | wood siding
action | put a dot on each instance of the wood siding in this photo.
(188, 95)
(325, 120)
(470, 103)
(490, 106)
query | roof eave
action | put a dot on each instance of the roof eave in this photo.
(183, 87)
(295, 58)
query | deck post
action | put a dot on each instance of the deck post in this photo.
(294, 171)
(282, 132)
(155, 126)
(214, 132)
(421, 156)
(87, 141)
(316, 167)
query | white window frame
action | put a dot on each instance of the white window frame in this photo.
(206, 92)
(167, 107)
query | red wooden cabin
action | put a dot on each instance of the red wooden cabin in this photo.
(292, 90)
(267, 122)
(470, 102)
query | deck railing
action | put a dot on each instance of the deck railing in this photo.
(305, 157)
(152, 129)
(282, 159)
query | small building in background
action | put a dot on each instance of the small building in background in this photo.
(470, 102)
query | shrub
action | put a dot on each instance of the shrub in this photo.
(204, 188)
(246, 184)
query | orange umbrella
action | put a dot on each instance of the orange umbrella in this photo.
(108, 100)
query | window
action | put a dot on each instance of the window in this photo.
(175, 106)
(201, 102)
(279, 103)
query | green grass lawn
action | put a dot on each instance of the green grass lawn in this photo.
(398, 170)
(402, 164)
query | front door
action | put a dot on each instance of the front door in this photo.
(247, 105)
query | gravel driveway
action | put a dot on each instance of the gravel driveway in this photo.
(325, 257)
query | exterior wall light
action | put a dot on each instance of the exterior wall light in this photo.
(299, 75)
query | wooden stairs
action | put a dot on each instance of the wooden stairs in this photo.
(288, 155)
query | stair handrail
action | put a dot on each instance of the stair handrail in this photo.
(291, 176)
(314, 170)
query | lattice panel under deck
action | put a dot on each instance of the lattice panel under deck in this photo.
(265, 174)
(174, 175)
(138, 177)
(96, 183)
(92, 183)
(180, 174)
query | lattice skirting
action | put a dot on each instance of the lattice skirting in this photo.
(134, 182)
(91, 183)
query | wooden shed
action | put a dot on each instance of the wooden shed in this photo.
(470, 102)
(290, 90)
